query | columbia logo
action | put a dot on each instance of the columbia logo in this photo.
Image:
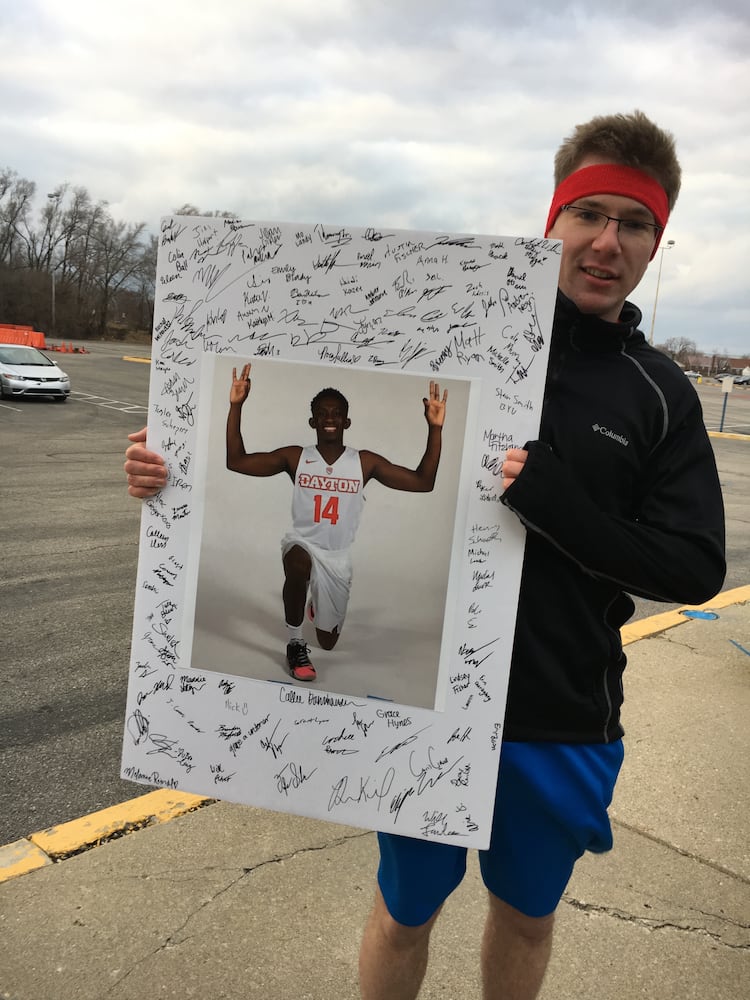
(620, 438)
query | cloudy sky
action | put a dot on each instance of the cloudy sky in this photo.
(443, 114)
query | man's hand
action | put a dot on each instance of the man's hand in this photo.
(515, 459)
(240, 386)
(434, 407)
(146, 470)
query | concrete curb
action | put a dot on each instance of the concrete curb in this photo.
(57, 843)
(660, 623)
(60, 842)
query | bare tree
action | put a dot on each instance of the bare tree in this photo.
(188, 209)
(117, 257)
(41, 242)
(720, 362)
(62, 266)
(145, 289)
(15, 206)
(679, 349)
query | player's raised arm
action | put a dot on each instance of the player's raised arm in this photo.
(259, 463)
(421, 479)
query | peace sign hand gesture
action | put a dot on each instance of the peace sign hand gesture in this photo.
(240, 386)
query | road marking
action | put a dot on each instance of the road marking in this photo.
(58, 842)
(109, 404)
(645, 627)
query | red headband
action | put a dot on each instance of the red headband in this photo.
(612, 178)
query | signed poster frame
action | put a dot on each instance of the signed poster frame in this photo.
(375, 309)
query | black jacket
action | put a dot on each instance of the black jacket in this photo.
(619, 495)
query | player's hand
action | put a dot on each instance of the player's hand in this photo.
(434, 407)
(146, 470)
(515, 459)
(240, 386)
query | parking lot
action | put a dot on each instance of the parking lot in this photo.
(70, 546)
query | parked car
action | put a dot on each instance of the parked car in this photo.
(693, 374)
(742, 379)
(26, 371)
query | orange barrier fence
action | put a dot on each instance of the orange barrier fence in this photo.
(67, 348)
(26, 335)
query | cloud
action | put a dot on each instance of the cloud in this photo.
(387, 113)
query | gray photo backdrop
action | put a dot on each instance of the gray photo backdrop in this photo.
(402, 729)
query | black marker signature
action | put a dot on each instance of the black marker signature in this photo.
(292, 776)
(399, 746)
(367, 790)
(429, 775)
(270, 743)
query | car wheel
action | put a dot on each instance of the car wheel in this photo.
(60, 399)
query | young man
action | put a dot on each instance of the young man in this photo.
(619, 495)
(329, 479)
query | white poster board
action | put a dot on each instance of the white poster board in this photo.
(402, 729)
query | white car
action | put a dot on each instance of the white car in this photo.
(25, 371)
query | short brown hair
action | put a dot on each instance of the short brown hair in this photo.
(632, 141)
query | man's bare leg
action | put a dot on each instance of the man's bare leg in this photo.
(515, 952)
(393, 957)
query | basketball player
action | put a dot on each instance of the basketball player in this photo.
(329, 479)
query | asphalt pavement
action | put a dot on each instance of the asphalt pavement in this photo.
(177, 896)
(69, 537)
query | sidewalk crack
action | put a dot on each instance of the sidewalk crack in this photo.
(178, 937)
(655, 923)
(681, 850)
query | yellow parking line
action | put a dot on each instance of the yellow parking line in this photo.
(19, 858)
(146, 810)
(58, 842)
(659, 623)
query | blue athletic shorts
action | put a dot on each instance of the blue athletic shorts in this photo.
(550, 807)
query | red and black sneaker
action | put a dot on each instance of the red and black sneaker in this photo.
(299, 662)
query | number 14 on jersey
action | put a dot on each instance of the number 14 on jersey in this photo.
(328, 511)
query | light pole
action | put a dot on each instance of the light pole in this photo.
(53, 200)
(52, 275)
(668, 246)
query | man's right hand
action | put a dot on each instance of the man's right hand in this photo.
(240, 386)
(146, 470)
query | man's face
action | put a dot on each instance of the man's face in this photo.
(598, 272)
(329, 420)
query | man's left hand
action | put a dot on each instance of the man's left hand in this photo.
(515, 459)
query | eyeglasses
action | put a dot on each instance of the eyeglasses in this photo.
(632, 231)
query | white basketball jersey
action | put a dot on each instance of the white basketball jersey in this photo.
(327, 500)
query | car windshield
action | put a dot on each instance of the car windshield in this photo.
(23, 356)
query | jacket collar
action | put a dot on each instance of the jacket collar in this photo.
(590, 333)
